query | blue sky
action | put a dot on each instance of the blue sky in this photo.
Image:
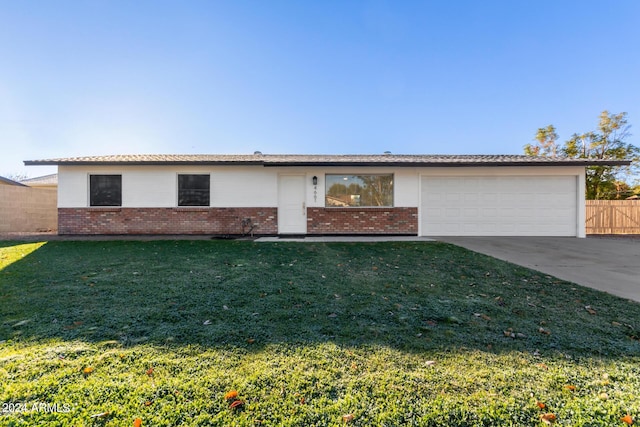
(332, 76)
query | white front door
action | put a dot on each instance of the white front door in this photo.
(292, 209)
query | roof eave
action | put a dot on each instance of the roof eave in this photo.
(138, 163)
(449, 164)
(327, 163)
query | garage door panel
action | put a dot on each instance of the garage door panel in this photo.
(499, 205)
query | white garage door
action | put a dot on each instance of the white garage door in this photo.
(498, 206)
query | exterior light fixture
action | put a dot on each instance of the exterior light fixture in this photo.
(314, 180)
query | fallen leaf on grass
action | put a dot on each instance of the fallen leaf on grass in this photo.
(137, 422)
(570, 387)
(541, 405)
(347, 418)
(150, 372)
(22, 323)
(589, 309)
(509, 333)
(544, 331)
(236, 404)
(74, 325)
(430, 362)
(148, 403)
(231, 395)
(482, 316)
(206, 322)
(87, 371)
(548, 418)
(627, 419)
(101, 415)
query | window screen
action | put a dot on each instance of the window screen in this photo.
(105, 190)
(193, 190)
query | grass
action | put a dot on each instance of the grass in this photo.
(407, 333)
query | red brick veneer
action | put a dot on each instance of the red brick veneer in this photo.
(165, 220)
(362, 221)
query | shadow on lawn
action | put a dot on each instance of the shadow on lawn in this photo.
(413, 296)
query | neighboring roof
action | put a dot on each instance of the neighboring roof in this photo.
(406, 160)
(7, 181)
(41, 181)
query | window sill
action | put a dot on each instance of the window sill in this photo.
(105, 208)
(364, 208)
(192, 208)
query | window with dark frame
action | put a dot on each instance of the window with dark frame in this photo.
(193, 190)
(372, 190)
(105, 190)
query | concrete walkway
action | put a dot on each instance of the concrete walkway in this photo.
(607, 264)
(347, 239)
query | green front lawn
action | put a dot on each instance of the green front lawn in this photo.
(414, 333)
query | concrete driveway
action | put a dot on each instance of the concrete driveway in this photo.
(607, 264)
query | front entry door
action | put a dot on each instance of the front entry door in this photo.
(292, 210)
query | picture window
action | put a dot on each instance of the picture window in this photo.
(358, 190)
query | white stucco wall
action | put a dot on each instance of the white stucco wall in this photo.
(156, 186)
(244, 186)
(231, 186)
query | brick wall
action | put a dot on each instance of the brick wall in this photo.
(362, 221)
(165, 220)
(117, 220)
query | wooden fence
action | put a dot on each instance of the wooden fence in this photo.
(613, 217)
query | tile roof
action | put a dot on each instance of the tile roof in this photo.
(406, 160)
(44, 180)
(7, 181)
